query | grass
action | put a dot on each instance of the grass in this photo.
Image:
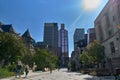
(5, 73)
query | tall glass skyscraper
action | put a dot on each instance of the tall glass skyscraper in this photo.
(63, 45)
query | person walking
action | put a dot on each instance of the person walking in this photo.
(58, 67)
(50, 69)
(19, 69)
(26, 70)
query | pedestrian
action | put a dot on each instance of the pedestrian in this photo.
(68, 69)
(50, 69)
(58, 67)
(18, 69)
(26, 70)
(34, 67)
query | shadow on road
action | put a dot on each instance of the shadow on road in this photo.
(93, 78)
(100, 78)
(64, 71)
(89, 78)
(21, 78)
(69, 73)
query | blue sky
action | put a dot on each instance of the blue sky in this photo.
(32, 14)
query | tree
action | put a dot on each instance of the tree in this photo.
(28, 59)
(84, 59)
(73, 65)
(96, 52)
(44, 59)
(11, 48)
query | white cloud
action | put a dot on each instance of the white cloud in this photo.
(90, 5)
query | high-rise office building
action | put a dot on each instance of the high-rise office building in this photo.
(63, 45)
(79, 43)
(91, 35)
(51, 36)
(86, 40)
(78, 35)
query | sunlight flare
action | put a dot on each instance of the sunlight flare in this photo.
(90, 5)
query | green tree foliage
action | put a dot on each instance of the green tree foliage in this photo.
(84, 59)
(72, 65)
(44, 59)
(28, 59)
(93, 55)
(96, 52)
(11, 48)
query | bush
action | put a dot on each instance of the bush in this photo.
(93, 72)
(11, 68)
(99, 72)
(103, 72)
(5, 73)
(84, 71)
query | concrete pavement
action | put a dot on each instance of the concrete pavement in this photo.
(59, 75)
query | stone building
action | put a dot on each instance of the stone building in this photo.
(8, 28)
(29, 41)
(1, 30)
(41, 45)
(108, 33)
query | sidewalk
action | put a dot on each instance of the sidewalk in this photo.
(62, 74)
(104, 78)
(31, 74)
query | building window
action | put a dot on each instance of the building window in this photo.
(101, 38)
(100, 33)
(113, 18)
(110, 32)
(118, 9)
(107, 20)
(118, 13)
(112, 47)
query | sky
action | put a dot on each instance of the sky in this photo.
(32, 14)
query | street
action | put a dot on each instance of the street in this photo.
(62, 74)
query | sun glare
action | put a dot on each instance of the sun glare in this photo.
(90, 5)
